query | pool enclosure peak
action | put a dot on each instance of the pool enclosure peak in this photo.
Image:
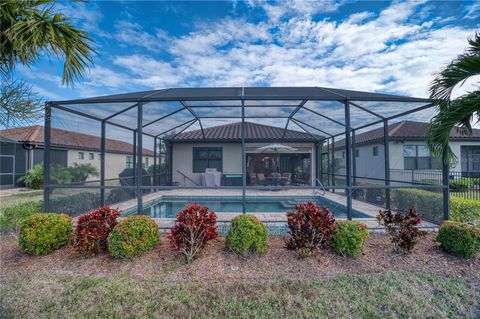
(245, 93)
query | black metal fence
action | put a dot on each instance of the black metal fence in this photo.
(462, 184)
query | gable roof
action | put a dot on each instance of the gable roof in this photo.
(405, 130)
(253, 132)
(67, 139)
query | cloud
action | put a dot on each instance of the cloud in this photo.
(288, 8)
(388, 51)
(473, 10)
(132, 34)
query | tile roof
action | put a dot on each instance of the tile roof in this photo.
(405, 130)
(253, 132)
(67, 139)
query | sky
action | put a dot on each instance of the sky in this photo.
(389, 47)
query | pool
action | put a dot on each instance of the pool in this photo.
(168, 206)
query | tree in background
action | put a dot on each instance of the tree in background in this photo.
(459, 113)
(28, 30)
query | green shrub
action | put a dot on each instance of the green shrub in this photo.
(427, 203)
(11, 217)
(459, 239)
(461, 184)
(348, 237)
(247, 234)
(42, 233)
(75, 204)
(430, 205)
(34, 177)
(464, 210)
(133, 236)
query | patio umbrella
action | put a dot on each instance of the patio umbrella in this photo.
(276, 148)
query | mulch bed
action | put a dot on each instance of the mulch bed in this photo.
(216, 264)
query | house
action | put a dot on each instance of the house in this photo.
(220, 148)
(409, 156)
(22, 148)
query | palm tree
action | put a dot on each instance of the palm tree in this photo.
(459, 113)
(30, 28)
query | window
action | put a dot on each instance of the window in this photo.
(91, 156)
(129, 161)
(418, 157)
(80, 155)
(357, 153)
(207, 157)
(145, 163)
(375, 151)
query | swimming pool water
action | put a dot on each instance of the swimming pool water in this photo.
(168, 206)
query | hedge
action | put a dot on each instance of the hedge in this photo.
(430, 205)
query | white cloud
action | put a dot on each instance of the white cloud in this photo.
(384, 52)
(132, 34)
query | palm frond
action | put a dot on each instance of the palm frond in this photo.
(463, 67)
(457, 115)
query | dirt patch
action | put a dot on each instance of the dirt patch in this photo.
(218, 264)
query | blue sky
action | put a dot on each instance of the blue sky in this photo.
(393, 47)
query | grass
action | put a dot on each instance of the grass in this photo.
(387, 295)
(10, 200)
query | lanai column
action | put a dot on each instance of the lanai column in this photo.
(102, 164)
(244, 169)
(333, 164)
(348, 158)
(446, 188)
(386, 151)
(46, 158)
(139, 167)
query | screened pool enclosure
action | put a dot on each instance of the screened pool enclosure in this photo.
(154, 152)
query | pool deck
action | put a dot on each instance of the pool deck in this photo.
(274, 218)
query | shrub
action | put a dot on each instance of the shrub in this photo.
(42, 233)
(133, 236)
(428, 203)
(34, 177)
(194, 227)
(465, 210)
(461, 184)
(80, 172)
(12, 217)
(309, 227)
(247, 234)
(459, 239)
(348, 237)
(92, 230)
(402, 228)
(75, 204)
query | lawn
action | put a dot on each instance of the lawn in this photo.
(10, 200)
(387, 295)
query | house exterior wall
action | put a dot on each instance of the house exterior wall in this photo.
(182, 158)
(114, 163)
(371, 166)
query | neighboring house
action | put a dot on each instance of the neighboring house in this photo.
(220, 148)
(409, 153)
(22, 148)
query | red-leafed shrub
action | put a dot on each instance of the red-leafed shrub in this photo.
(93, 229)
(194, 227)
(402, 228)
(309, 227)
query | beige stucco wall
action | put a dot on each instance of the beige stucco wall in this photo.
(114, 163)
(182, 158)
